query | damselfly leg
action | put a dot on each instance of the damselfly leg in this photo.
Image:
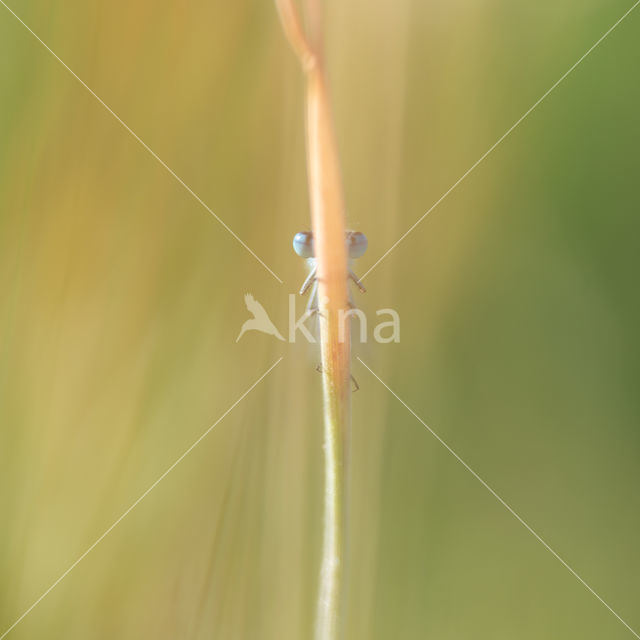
(354, 388)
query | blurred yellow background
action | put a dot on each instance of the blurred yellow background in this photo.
(122, 298)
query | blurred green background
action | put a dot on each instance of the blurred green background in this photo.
(122, 299)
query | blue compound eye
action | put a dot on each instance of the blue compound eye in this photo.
(303, 244)
(356, 244)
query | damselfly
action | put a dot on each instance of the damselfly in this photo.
(303, 246)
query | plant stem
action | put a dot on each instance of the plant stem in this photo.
(328, 225)
(335, 360)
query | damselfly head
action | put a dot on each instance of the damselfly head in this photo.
(356, 244)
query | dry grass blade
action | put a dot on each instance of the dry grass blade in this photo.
(328, 224)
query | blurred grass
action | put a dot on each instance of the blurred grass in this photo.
(122, 299)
